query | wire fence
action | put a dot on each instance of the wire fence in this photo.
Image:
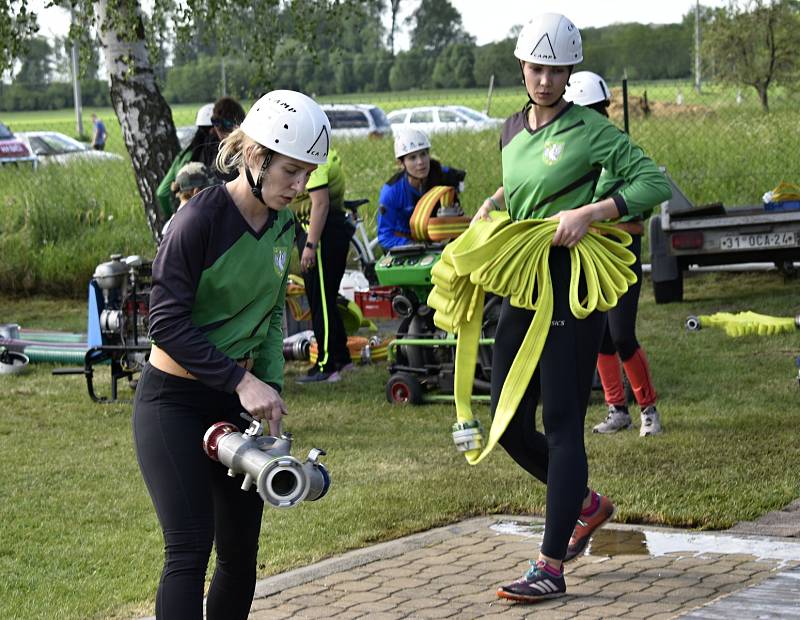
(718, 144)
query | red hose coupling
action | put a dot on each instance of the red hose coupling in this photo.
(214, 434)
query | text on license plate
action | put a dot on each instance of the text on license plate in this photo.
(758, 240)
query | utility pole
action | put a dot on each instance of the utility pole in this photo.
(76, 85)
(697, 83)
(224, 79)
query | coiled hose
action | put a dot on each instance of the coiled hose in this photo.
(511, 259)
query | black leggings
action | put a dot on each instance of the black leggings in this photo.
(334, 245)
(620, 335)
(563, 380)
(197, 503)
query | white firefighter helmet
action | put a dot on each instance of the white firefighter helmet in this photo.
(290, 123)
(204, 114)
(586, 88)
(409, 140)
(550, 39)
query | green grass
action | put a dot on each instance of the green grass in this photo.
(57, 223)
(80, 537)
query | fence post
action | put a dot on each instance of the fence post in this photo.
(625, 104)
(489, 96)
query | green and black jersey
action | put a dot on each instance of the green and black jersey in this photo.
(328, 176)
(557, 167)
(218, 290)
(607, 186)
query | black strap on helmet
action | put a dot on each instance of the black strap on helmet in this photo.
(255, 186)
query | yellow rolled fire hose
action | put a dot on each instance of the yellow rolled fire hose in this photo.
(510, 259)
(745, 323)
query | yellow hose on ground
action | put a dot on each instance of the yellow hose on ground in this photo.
(511, 259)
(748, 323)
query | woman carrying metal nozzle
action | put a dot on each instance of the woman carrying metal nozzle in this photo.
(216, 310)
(552, 155)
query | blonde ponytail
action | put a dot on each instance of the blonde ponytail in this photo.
(234, 148)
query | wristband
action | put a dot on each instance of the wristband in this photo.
(495, 206)
(311, 246)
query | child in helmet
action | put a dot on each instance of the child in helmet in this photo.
(552, 154)
(216, 313)
(398, 197)
(192, 178)
(619, 340)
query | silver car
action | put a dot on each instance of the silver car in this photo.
(55, 147)
(357, 120)
(437, 119)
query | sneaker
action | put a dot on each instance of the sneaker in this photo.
(347, 367)
(315, 375)
(651, 422)
(617, 419)
(541, 582)
(588, 525)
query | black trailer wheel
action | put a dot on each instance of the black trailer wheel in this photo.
(404, 388)
(669, 291)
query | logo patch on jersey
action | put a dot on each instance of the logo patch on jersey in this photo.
(552, 152)
(280, 256)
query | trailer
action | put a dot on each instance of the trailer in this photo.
(683, 235)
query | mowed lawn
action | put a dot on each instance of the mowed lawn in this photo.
(80, 538)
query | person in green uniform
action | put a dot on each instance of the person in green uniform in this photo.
(323, 240)
(619, 340)
(216, 313)
(214, 121)
(552, 156)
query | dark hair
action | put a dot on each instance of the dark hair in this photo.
(228, 108)
(436, 176)
(600, 106)
(201, 137)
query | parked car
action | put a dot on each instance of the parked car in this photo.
(436, 119)
(357, 120)
(55, 147)
(13, 150)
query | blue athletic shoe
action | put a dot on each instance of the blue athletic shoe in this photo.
(316, 375)
(539, 583)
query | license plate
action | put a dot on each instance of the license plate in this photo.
(758, 241)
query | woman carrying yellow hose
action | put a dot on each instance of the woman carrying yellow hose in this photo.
(552, 155)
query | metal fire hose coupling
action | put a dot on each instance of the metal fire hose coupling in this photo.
(468, 435)
(692, 323)
(281, 480)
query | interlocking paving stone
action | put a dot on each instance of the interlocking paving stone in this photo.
(454, 572)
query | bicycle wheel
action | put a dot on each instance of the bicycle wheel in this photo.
(357, 261)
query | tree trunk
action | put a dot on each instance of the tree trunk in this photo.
(393, 29)
(763, 96)
(145, 117)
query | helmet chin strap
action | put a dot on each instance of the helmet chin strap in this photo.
(255, 186)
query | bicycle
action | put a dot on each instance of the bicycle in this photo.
(361, 256)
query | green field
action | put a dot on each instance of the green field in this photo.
(81, 540)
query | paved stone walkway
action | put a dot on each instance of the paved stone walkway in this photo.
(629, 572)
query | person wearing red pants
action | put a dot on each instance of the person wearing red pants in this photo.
(619, 341)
